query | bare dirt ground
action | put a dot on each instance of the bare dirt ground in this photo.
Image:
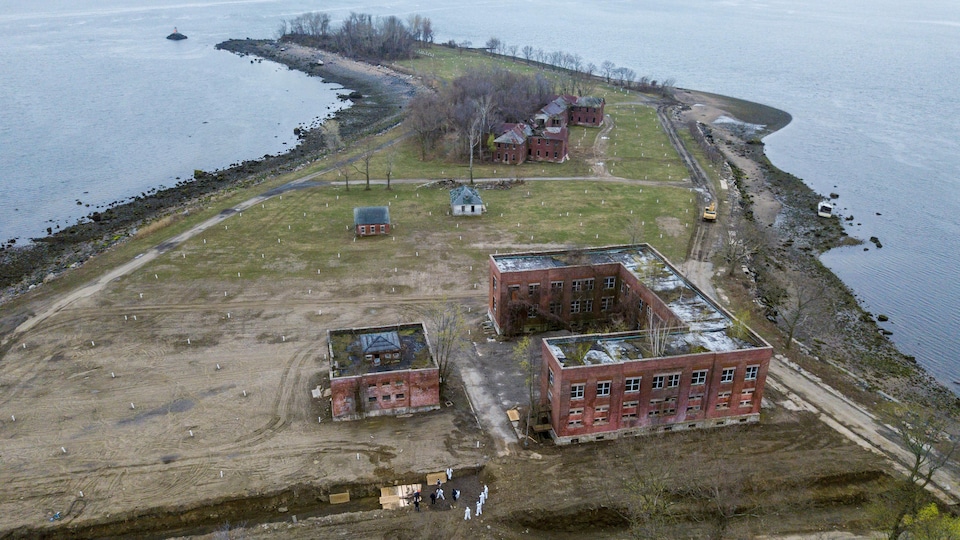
(144, 405)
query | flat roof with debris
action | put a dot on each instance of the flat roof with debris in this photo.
(707, 326)
(350, 346)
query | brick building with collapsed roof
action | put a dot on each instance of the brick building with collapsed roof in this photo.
(386, 370)
(547, 138)
(682, 361)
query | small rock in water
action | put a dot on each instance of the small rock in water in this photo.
(176, 36)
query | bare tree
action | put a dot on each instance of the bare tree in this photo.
(474, 137)
(634, 229)
(927, 437)
(650, 485)
(512, 50)
(493, 45)
(427, 31)
(344, 171)
(736, 251)
(523, 352)
(415, 23)
(447, 328)
(362, 165)
(424, 119)
(485, 107)
(805, 298)
(657, 333)
(527, 52)
(606, 68)
(391, 159)
(667, 87)
(726, 490)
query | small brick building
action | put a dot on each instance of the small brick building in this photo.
(371, 220)
(385, 370)
(682, 361)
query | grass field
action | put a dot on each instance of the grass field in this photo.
(638, 147)
(307, 234)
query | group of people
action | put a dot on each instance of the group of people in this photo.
(480, 502)
(438, 494)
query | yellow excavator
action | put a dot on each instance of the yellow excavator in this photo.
(710, 212)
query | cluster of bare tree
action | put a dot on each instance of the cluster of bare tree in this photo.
(360, 35)
(472, 106)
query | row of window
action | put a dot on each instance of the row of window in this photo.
(576, 306)
(387, 397)
(663, 407)
(372, 387)
(578, 285)
(373, 229)
(659, 382)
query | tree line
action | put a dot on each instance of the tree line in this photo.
(360, 35)
(581, 74)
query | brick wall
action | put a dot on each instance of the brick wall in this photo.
(654, 406)
(392, 392)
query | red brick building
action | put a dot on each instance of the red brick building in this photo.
(382, 370)
(567, 110)
(554, 114)
(371, 220)
(547, 141)
(549, 145)
(511, 145)
(683, 362)
(586, 111)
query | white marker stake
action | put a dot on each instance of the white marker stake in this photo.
(132, 406)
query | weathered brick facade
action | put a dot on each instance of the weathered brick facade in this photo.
(685, 361)
(585, 111)
(548, 145)
(362, 386)
(641, 407)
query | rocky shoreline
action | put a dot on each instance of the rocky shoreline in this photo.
(378, 96)
(776, 211)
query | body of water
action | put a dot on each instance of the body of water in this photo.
(872, 87)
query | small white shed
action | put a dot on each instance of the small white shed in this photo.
(465, 201)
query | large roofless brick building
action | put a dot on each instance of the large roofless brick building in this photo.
(382, 370)
(684, 361)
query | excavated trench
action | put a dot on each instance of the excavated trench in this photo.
(301, 500)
